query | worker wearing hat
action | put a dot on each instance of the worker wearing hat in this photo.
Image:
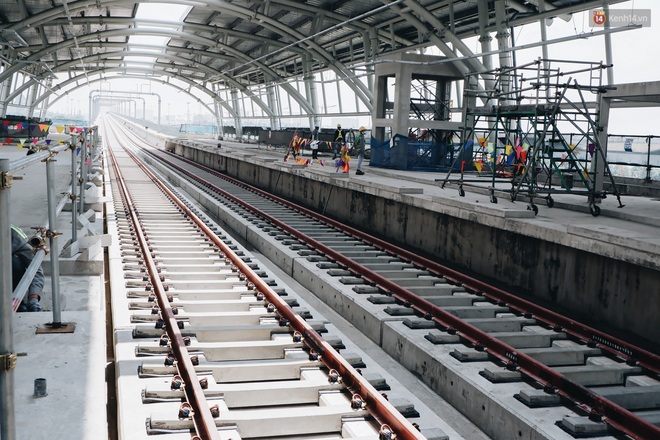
(337, 141)
(314, 142)
(360, 143)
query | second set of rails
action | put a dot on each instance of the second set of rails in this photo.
(556, 361)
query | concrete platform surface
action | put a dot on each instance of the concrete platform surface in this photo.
(73, 364)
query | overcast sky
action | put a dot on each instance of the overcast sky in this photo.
(635, 59)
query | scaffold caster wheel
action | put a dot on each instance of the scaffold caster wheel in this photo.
(533, 207)
(493, 198)
(461, 191)
(594, 210)
(550, 201)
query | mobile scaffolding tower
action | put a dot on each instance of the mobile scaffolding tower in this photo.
(536, 135)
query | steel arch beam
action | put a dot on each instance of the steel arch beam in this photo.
(358, 87)
(166, 33)
(66, 67)
(100, 73)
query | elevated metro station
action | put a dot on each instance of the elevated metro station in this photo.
(488, 153)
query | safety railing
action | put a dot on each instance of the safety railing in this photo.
(8, 295)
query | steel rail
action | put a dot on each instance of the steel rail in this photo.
(201, 413)
(376, 403)
(593, 404)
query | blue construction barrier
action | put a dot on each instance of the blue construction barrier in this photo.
(405, 153)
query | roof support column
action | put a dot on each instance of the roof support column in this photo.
(236, 105)
(310, 91)
(5, 88)
(608, 47)
(503, 44)
(217, 109)
(484, 36)
(275, 121)
(32, 93)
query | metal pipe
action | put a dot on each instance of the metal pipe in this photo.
(24, 162)
(52, 236)
(74, 223)
(7, 415)
(608, 47)
(648, 158)
(26, 280)
(83, 173)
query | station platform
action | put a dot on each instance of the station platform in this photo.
(75, 365)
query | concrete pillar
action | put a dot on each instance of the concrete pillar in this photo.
(503, 44)
(310, 91)
(484, 35)
(275, 122)
(236, 105)
(5, 88)
(403, 80)
(608, 47)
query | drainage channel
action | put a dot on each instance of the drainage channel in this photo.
(604, 384)
(207, 343)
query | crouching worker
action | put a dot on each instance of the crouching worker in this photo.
(21, 257)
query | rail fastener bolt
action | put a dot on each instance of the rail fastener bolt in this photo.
(176, 383)
(185, 411)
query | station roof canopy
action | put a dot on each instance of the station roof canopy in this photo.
(235, 43)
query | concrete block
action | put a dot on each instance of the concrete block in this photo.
(593, 375)
(501, 375)
(434, 434)
(476, 312)
(466, 354)
(583, 427)
(416, 324)
(538, 398)
(505, 211)
(640, 381)
(500, 324)
(633, 398)
(528, 339)
(351, 280)
(451, 301)
(399, 311)
(381, 299)
(555, 356)
(438, 337)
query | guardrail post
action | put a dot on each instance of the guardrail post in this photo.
(7, 355)
(74, 210)
(52, 235)
(83, 174)
(648, 158)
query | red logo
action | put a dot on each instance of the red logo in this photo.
(599, 17)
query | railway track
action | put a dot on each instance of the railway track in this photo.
(543, 374)
(206, 345)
